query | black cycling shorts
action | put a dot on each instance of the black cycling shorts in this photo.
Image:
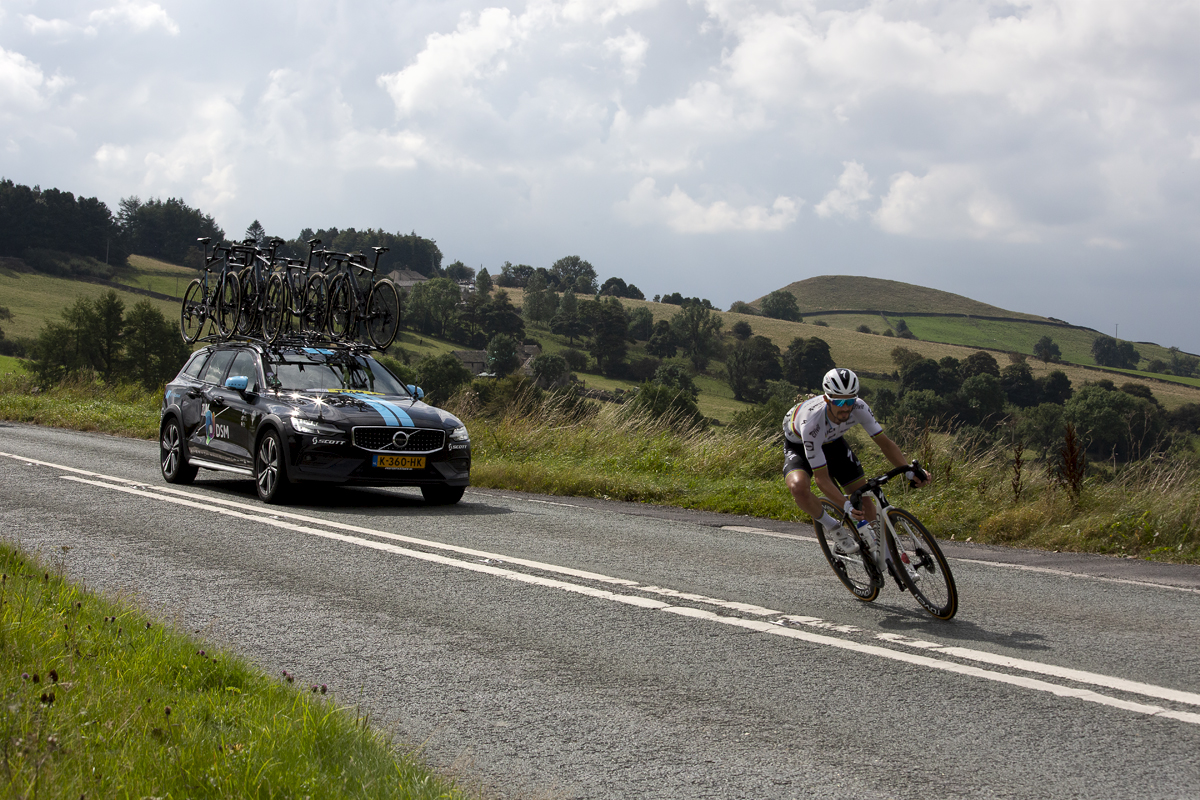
(844, 467)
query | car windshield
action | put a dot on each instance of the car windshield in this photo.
(330, 371)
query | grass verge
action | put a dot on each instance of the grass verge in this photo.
(100, 701)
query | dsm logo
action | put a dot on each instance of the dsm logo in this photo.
(214, 429)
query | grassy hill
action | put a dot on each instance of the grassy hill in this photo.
(851, 293)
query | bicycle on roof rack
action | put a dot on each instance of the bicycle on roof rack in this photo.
(211, 298)
(373, 313)
(264, 293)
(906, 551)
(307, 292)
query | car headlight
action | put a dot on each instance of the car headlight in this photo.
(459, 434)
(303, 425)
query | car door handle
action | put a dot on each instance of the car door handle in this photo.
(213, 399)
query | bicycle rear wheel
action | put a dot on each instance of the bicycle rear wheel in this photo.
(275, 306)
(316, 298)
(229, 308)
(250, 319)
(192, 314)
(922, 566)
(383, 313)
(341, 308)
(856, 572)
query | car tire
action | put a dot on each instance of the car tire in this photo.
(172, 454)
(442, 495)
(270, 471)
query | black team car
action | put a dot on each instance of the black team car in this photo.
(288, 414)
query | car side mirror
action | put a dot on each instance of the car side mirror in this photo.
(239, 382)
(416, 391)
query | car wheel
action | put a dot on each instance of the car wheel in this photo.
(270, 473)
(172, 455)
(442, 495)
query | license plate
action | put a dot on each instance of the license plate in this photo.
(400, 462)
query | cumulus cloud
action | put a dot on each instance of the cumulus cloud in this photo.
(854, 187)
(682, 214)
(630, 47)
(137, 16)
(23, 84)
(949, 202)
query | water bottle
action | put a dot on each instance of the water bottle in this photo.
(864, 532)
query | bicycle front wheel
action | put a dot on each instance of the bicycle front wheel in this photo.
(922, 566)
(229, 308)
(316, 298)
(854, 571)
(341, 308)
(383, 313)
(275, 306)
(192, 314)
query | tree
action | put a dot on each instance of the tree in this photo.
(749, 365)
(1018, 385)
(499, 315)
(1054, 388)
(641, 324)
(662, 341)
(502, 355)
(109, 327)
(257, 233)
(441, 377)
(1182, 363)
(483, 282)
(781, 305)
(36, 218)
(666, 402)
(610, 327)
(1114, 423)
(806, 362)
(980, 400)
(1047, 350)
(980, 362)
(1108, 352)
(572, 272)
(432, 305)
(924, 375)
(902, 357)
(514, 276)
(742, 307)
(550, 370)
(153, 348)
(405, 251)
(568, 322)
(698, 332)
(540, 303)
(459, 272)
(164, 229)
(676, 377)
(742, 330)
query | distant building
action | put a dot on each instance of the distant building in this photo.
(476, 360)
(406, 279)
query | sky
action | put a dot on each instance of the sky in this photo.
(1042, 156)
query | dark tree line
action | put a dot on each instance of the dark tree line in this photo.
(37, 219)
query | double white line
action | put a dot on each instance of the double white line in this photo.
(740, 615)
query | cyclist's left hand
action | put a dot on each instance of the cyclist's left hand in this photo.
(918, 481)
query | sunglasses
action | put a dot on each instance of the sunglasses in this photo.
(843, 402)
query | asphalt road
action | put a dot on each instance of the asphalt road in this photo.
(551, 647)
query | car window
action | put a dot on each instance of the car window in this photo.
(246, 363)
(214, 371)
(192, 370)
(300, 372)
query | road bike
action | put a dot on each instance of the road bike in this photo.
(217, 299)
(908, 552)
(374, 312)
(263, 288)
(308, 294)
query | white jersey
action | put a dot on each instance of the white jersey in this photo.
(807, 424)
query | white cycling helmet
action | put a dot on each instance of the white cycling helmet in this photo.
(840, 383)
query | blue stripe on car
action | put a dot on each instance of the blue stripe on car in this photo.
(392, 414)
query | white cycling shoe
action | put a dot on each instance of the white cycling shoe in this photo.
(843, 542)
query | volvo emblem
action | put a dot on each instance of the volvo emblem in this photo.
(400, 439)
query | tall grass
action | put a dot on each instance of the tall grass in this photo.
(81, 403)
(100, 701)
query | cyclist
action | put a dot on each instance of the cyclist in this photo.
(815, 448)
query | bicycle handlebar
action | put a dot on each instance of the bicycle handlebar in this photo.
(875, 483)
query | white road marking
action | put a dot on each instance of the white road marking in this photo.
(765, 532)
(231, 509)
(1065, 574)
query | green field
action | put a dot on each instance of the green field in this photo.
(158, 276)
(34, 299)
(848, 292)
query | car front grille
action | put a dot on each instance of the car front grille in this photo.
(420, 440)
